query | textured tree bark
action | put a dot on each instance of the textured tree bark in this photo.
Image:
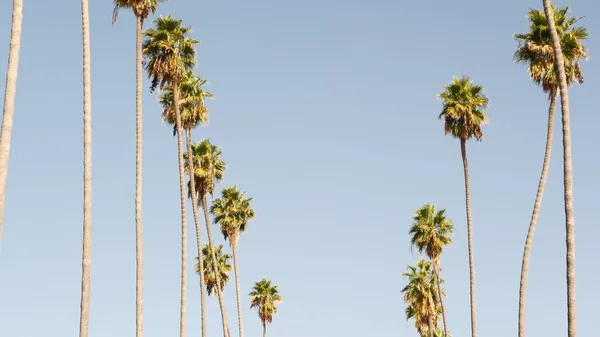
(10, 92)
(568, 172)
(84, 315)
(536, 209)
(139, 251)
(463, 150)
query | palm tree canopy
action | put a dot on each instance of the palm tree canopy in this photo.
(192, 109)
(421, 297)
(223, 267)
(264, 297)
(232, 211)
(430, 231)
(140, 8)
(535, 48)
(168, 52)
(208, 167)
(463, 104)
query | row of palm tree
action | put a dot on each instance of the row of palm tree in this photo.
(552, 50)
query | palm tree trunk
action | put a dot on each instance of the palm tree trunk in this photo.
(431, 328)
(10, 92)
(439, 289)
(568, 171)
(237, 285)
(536, 209)
(198, 231)
(264, 329)
(183, 310)
(139, 271)
(226, 332)
(84, 314)
(463, 150)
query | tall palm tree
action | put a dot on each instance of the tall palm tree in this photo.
(567, 167)
(265, 297)
(430, 233)
(10, 92)
(535, 49)
(209, 270)
(141, 9)
(169, 52)
(84, 315)
(208, 170)
(421, 299)
(192, 113)
(463, 104)
(232, 212)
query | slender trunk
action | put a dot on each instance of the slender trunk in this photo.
(226, 332)
(264, 329)
(198, 231)
(463, 150)
(568, 172)
(183, 310)
(139, 271)
(536, 209)
(237, 285)
(439, 289)
(431, 327)
(86, 265)
(9, 99)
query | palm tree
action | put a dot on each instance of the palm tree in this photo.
(192, 113)
(169, 52)
(421, 299)
(10, 92)
(568, 169)
(264, 297)
(535, 49)
(209, 169)
(463, 104)
(222, 268)
(141, 9)
(233, 212)
(430, 233)
(84, 315)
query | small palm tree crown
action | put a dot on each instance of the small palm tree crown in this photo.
(232, 211)
(140, 8)
(264, 297)
(208, 167)
(463, 104)
(535, 48)
(168, 52)
(192, 109)
(421, 297)
(223, 267)
(430, 231)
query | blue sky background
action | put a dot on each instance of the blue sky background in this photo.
(326, 114)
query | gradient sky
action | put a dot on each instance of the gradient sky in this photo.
(326, 115)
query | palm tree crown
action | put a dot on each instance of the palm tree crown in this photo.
(232, 211)
(420, 297)
(463, 104)
(430, 231)
(169, 52)
(535, 48)
(208, 166)
(223, 267)
(264, 297)
(140, 8)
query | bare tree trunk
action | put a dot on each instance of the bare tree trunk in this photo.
(264, 329)
(237, 285)
(436, 266)
(568, 172)
(139, 251)
(86, 265)
(226, 332)
(536, 209)
(463, 150)
(198, 230)
(183, 310)
(10, 92)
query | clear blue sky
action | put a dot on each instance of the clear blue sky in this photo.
(326, 114)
